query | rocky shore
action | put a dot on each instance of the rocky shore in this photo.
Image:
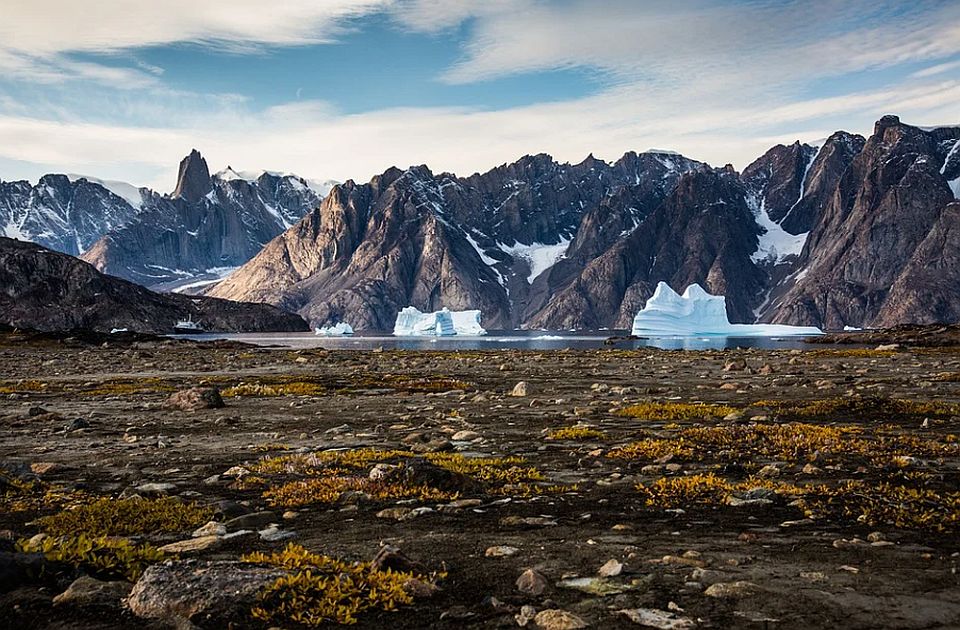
(158, 483)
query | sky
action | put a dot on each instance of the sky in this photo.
(344, 89)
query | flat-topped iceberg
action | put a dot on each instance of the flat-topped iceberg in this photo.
(412, 323)
(337, 330)
(696, 312)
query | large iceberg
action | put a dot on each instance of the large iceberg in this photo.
(337, 330)
(696, 312)
(412, 323)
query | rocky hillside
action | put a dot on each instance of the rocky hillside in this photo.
(65, 213)
(208, 226)
(488, 241)
(882, 251)
(853, 232)
(47, 290)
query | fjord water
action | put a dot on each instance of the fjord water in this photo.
(508, 339)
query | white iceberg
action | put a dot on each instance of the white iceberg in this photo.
(337, 330)
(696, 312)
(412, 323)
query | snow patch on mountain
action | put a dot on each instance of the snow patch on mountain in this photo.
(539, 256)
(775, 243)
(128, 192)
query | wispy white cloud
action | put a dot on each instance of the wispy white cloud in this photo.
(37, 37)
(718, 81)
(314, 140)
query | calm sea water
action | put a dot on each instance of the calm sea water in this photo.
(501, 339)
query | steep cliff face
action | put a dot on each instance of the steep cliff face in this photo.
(47, 290)
(886, 204)
(702, 233)
(208, 225)
(490, 241)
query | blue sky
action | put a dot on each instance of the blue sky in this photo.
(346, 88)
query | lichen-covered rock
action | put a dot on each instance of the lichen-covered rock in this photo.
(195, 398)
(193, 589)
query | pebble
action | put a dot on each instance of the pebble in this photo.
(193, 545)
(556, 619)
(731, 590)
(501, 551)
(532, 582)
(519, 390)
(654, 618)
(611, 568)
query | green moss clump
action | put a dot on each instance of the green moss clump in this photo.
(104, 558)
(126, 517)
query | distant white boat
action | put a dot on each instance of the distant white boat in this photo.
(187, 326)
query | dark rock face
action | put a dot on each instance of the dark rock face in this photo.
(840, 235)
(703, 232)
(46, 290)
(64, 215)
(193, 179)
(863, 263)
(208, 225)
(414, 238)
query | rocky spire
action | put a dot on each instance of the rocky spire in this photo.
(193, 181)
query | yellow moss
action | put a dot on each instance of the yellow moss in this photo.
(887, 504)
(261, 390)
(326, 490)
(866, 408)
(105, 558)
(678, 492)
(788, 441)
(406, 383)
(576, 433)
(22, 386)
(322, 590)
(126, 517)
(488, 469)
(664, 411)
(33, 496)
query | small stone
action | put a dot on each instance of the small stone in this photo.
(876, 537)
(465, 436)
(532, 582)
(731, 590)
(86, 591)
(654, 618)
(290, 515)
(275, 534)
(611, 568)
(254, 520)
(556, 619)
(44, 468)
(212, 528)
(525, 616)
(501, 551)
(527, 521)
(519, 390)
(813, 576)
(395, 513)
(888, 347)
(769, 471)
(148, 489)
(193, 545)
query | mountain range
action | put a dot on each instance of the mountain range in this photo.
(851, 231)
(207, 226)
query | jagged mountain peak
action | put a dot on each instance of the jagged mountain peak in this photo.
(193, 178)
